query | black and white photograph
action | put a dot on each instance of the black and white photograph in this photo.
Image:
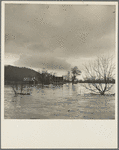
(59, 61)
(59, 64)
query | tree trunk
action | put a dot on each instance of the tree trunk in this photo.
(102, 93)
(73, 78)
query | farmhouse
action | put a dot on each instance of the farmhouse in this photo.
(57, 79)
(30, 80)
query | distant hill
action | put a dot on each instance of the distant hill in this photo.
(13, 73)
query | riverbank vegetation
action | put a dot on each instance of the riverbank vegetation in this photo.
(96, 73)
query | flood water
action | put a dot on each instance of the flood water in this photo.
(65, 101)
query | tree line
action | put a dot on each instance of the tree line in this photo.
(99, 75)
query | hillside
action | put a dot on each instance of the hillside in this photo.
(13, 73)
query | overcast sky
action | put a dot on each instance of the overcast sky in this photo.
(57, 37)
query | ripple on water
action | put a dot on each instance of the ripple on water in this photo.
(58, 102)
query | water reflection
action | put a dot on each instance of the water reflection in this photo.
(65, 101)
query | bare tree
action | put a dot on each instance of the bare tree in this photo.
(99, 74)
(75, 72)
(13, 87)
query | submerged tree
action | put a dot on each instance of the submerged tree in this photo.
(14, 89)
(101, 70)
(75, 72)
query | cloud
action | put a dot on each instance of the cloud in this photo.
(58, 33)
(41, 61)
